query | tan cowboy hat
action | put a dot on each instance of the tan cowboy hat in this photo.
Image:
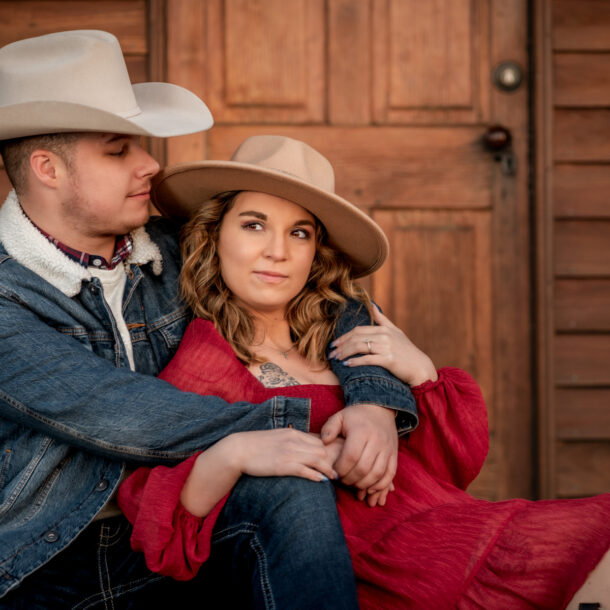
(286, 168)
(78, 81)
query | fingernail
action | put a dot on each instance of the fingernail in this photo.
(335, 475)
(332, 354)
(334, 344)
(346, 363)
(323, 477)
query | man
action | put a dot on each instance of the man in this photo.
(89, 313)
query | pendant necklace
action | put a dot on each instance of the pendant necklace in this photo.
(284, 352)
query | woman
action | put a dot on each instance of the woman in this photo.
(270, 256)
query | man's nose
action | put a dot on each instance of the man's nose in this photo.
(147, 166)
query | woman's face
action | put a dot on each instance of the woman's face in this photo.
(266, 246)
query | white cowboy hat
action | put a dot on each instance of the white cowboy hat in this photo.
(285, 168)
(78, 81)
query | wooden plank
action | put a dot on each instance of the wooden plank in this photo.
(544, 458)
(582, 248)
(510, 225)
(583, 413)
(390, 167)
(581, 191)
(27, 18)
(349, 62)
(582, 305)
(583, 469)
(186, 66)
(581, 79)
(581, 25)
(581, 135)
(582, 360)
(430, 61)
(268, 60)
(137, 66)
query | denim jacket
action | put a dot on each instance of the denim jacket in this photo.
(72, 413)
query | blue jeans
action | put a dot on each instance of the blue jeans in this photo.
(278, 544)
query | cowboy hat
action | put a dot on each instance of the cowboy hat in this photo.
(286, 168)
(78, 81)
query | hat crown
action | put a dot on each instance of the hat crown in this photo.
(288, 156)
(77, 67)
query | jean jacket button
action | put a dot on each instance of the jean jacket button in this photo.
(51, 536)
(102, 485)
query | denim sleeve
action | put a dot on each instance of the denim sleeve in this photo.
(372, 384)
(54, 385)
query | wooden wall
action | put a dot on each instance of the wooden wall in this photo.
(573, 253)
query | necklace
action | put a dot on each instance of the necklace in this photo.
(284, 352)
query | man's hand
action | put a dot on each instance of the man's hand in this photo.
(368, 458)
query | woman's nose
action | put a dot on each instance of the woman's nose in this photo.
(275, 247)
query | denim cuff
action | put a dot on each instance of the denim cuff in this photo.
(387, 393)
(291, 413)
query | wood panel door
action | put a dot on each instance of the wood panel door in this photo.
(398, 94)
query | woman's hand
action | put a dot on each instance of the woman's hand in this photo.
(265, 453)
(387, 346)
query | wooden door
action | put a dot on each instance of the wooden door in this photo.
(398, 94)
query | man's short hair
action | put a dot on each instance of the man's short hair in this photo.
(16, 154)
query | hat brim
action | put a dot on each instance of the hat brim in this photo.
(180, 190)
(165, 110)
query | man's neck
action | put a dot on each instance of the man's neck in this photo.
(62, 231)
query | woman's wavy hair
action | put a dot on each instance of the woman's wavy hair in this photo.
(312, 314)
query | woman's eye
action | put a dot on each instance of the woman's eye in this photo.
(301, 233)
(253, 226)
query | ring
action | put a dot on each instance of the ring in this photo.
(368, 344)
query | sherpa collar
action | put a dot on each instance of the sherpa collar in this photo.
(24, 242)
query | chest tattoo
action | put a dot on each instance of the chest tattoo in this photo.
(272, 376)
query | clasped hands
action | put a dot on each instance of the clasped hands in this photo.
(361, 442)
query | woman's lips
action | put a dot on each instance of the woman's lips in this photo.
(270, 277)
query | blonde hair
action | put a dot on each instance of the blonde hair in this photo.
(311, 315)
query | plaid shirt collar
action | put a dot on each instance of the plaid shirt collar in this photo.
(122, 249)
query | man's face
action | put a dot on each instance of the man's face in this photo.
(107, 187)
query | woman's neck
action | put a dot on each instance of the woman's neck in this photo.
(272, 332)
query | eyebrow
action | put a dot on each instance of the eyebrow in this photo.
(262, 216)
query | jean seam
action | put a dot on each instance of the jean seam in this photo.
(261, 557)
(265, 584)
(104, 574)
(92, 600)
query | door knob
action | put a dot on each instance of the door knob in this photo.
(498, 140)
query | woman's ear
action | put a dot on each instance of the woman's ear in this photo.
(46, 167)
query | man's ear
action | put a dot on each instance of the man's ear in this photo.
(47, 167)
